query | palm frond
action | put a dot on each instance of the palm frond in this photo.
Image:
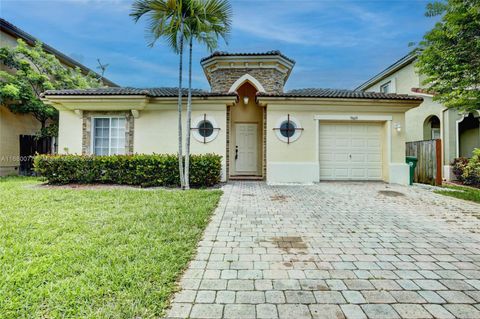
(205, 21)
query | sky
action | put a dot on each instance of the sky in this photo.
(336, 44)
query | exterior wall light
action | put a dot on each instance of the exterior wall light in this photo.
(398, 127)
(245, 100)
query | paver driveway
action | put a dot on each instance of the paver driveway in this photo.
(335, 250)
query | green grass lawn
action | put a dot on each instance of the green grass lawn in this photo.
(467, 193)
(110, 253)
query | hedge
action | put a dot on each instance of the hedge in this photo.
(138, 169)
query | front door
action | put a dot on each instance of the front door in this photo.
(246, 149)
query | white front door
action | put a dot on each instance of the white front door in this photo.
(246, 149)
(350, 151)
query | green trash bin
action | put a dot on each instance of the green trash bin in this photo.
(412, 162)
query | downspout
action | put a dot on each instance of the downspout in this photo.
(442, 132)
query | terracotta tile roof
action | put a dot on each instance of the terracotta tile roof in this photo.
(337, 93)
(150, 92)
(423, 91)
(173, 92)
(223, 53)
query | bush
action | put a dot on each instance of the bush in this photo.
(459, 165)
(471, 173)
(142, 170)
(466, 170)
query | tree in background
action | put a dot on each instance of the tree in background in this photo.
(30, 71)
(210, 20)
(449, 55)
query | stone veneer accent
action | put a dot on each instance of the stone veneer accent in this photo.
(87, 130)
(271, 79)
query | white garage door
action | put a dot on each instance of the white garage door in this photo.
(350, 151)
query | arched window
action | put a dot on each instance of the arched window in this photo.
(431, 128)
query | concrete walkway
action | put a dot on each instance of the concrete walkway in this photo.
(335, 250)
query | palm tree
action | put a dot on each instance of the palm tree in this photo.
(210, 20)
(166, 19)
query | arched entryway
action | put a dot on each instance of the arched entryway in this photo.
(468, 134)
(431, 128)
(246, 133)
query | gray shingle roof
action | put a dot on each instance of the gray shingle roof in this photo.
(151, 92)
(223, 53)
(337, 93)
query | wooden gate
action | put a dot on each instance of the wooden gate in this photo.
(29, 146)
(429, 165)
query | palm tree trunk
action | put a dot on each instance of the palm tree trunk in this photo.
(180, 132)
(189, 117)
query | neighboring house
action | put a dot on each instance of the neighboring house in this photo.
(262, 132)
(14, 127)
(460, 133)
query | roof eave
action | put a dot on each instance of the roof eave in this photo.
(409, 58)
(339, 100)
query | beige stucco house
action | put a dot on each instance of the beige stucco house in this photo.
(261, 131)
(460, 133)
(12, 125)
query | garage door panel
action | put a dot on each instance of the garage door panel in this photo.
(375, 143)
(328, 128)
(374, 158)
(329, 142)
(340, 173)
(359, 142)
(341, 157)
(358, 159)
(341, 142)
(358, 173)
(358, 129)
(350, 151)
(335, 173)
(327, 173)
(375, 173)
(326, 157)
(374, 129)
(341, 129)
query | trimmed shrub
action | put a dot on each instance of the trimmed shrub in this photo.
(139, 169)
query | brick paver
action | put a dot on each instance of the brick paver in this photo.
(335, 250)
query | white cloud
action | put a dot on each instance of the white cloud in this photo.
(309, 22)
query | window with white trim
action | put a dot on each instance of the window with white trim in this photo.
(108, 135)
(385, 88)
(205, 128)
(288, 129)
